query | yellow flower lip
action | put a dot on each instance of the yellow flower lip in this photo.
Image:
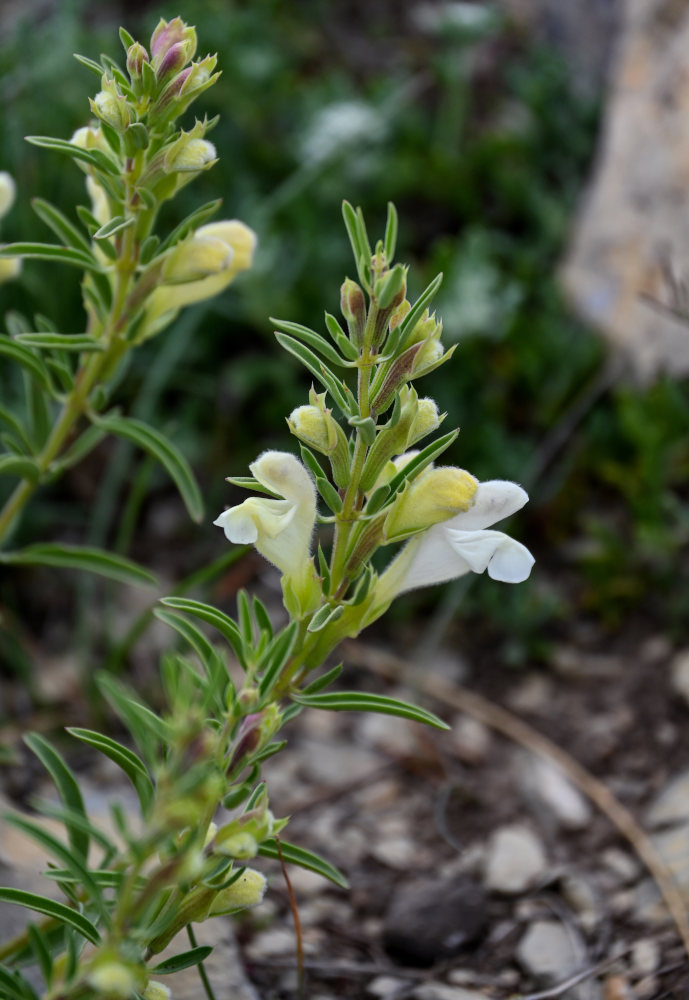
(435, 496)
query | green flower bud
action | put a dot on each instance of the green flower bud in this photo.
(353, 306)
(435, 496)
(317, 428)
(10, 267)
(136, 57)
(113, 978)
(111, 107)
(193, 155)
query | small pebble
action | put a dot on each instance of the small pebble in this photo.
(515, 860)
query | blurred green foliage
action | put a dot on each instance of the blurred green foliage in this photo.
(484, 145)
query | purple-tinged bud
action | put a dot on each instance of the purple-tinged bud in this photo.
(174, 60)
(400, 371)
(169, 33)
(136, 57)
(353, 306)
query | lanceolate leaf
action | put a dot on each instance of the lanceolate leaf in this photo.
(13, 986)
(192, 222)
(93, 156)
(64, 854)
(356, 701)
(218, 619)
(276, 656)
(317, 368)
(51, 251)
(60, 225)
(24, 357)
(66, 785)
(420, 461)
(51, 908)
(164, 451)
(305, 859)
(60, 341)
(182, 961)
(311, 338)
(18, 465)
(125, 759)
(85, 558)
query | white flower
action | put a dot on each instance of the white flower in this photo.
(8, 190)
(280, 529)
(461, 545)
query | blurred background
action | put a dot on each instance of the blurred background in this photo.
(481, 122)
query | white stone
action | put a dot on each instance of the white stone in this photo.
(623, 865)
(515, 860)
(548, 789)
(679, 674)
(645, 956)
(547, 952)
(385, 986)
(471, 739)
(671, 805)
(440, 991)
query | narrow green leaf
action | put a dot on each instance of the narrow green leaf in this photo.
(66, 784)
(276, 656)
(15, 986)
(104, 877)
(312, 463)
(218, 619)
(193, 636)
(23, 356)
(324, 681)
(156, 444)
(51, 908)
(125, 759)
(182, 961)
(329, 494)
(351, 225)
(126, 39)
(41, 952)
(51, 251)
(18, 465)
(60, 341)
(357, 701)
(84, 558)
(246, 627)
(317, 368)
(249, 483)
(15, 425)
(305, 859)
(391, 233)
(64, 854)
(93, 156)
(311, 338)
(262, 617)
(148, 729)
(323, 569)
(60, 225)
(90, 64)
(192, 222)
(113, 226)
(324, 616)
(85, 443)
(343, 342)
(417, 310)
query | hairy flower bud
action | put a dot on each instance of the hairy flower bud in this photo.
(248, 890)
(111, 107)
(435, 496)
(317, 428)
(194, 155)
(156, 991)
(426, 420)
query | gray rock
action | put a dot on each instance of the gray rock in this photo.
(515, 860)
(547, 951)
(432, 919)
(385, 986)
(671, 805)
(549, 791)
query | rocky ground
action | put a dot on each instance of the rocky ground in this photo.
(476, 868)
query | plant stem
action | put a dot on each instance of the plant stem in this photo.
(202, 970)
